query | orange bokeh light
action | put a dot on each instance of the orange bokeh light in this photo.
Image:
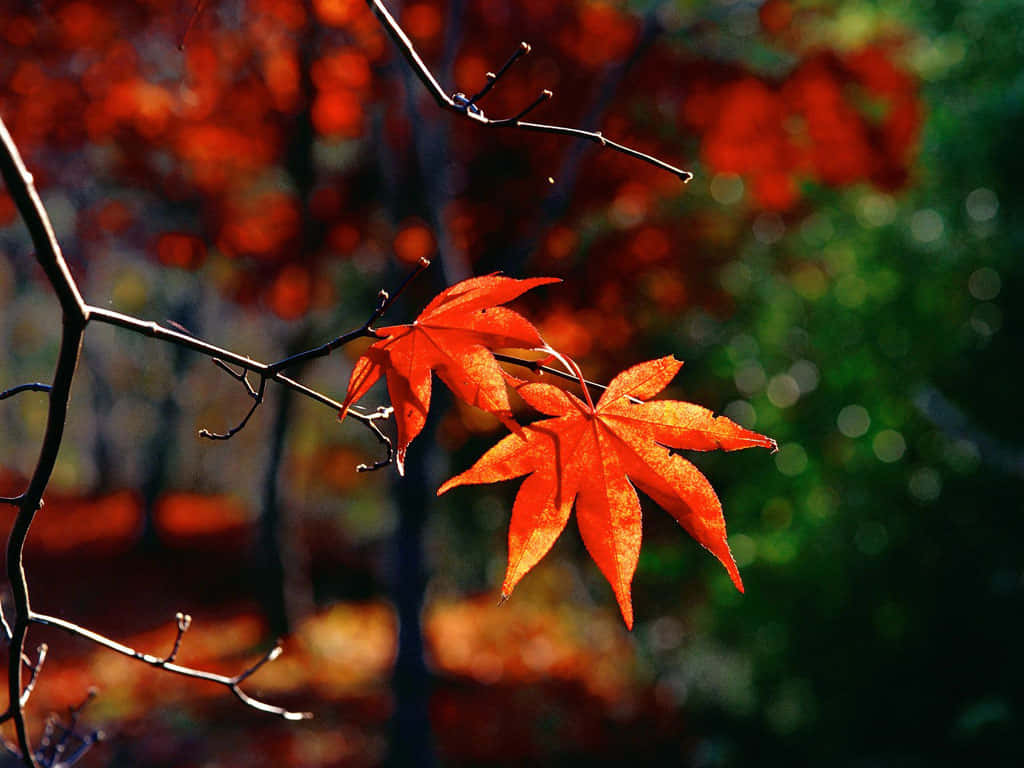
(414, 242)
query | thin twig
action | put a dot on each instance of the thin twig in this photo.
(33, 387)
(242, 376)
(232, 683)
(545, 95)
(52, 753)
(384, 302)
(383, 412)
(469, 109)
(156, 331)
(34, 669)
(30, 686)
(257, 399)
(539, 367)
(492, 78)
(184, 622)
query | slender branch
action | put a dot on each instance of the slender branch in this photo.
(537, 366)
(33, 387)
(461, 105)
(492, 78)
(52, 753)
(384, 412)
(257, 399)
(184, 622)
(384, 302)
(156, 331)
(21, 188)
(35, 669)
(166, 663)
(242, 376)
(545, 95)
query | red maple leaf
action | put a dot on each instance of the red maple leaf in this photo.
(594, 456)
(453, 336)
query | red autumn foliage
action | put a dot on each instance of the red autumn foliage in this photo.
(593, 456)
(834, 119)
(454, 336)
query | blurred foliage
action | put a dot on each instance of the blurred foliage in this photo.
(840, 276)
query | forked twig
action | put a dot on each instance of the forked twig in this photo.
(34, 670)
(257, 399)
(461, 104)
(384, 302)
(53, 753)
(166, 663)
(34, 673)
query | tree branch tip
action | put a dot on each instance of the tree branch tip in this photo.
(424, 262)
(184, 621)
(375, 466)
(274, 653)
(547, 93)
(297, 715)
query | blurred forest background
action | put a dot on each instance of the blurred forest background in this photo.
(839, 275)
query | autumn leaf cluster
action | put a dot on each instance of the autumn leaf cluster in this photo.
(587, 456)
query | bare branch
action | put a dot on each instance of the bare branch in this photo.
(22, 190)
(492, 78)
(242, 376)
(384, 412)
(545, 95)
(33, 387)
(184, 622)
(165, 663)
(35, 668)
(257, 399)
(468, 107)
(54, 753)
(156, 331)
(4, 625)
(538, 366)
(384, 302)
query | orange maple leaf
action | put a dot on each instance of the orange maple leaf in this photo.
(453, 336)
(594, 456)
